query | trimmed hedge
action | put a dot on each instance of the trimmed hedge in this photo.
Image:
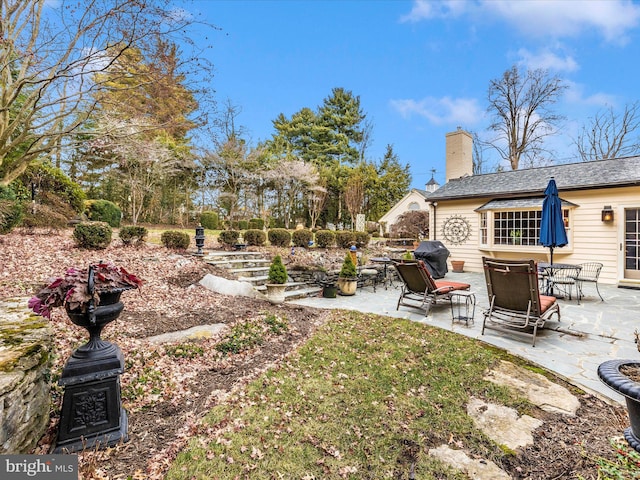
(103, 211)
(279, 237)
(345, 239)
(256, 224)
(92, 235)
(301, 238)
(229, 237)
(131, 234)
(209, 220)
(362, 239)
(175, 240)
(325, 238)
(255, 237)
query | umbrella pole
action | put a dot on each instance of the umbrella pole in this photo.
(550, 291)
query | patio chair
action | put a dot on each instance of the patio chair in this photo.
(562, 280)
(515, 303)
(419, 289)
(589, 273)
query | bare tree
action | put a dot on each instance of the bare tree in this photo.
(611, 135)
(142, 163)
(291, 179)
(354, 197)
(522, 116)
(49, 60)
(316, 201)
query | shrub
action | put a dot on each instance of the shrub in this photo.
(256, 224)
(175, 240)
(411, 224)
(52, 181)
(10, 210)
(92, 235)
(229, 237)
(103, 211)
(255, 237)
(325, 238)
(348, 269)
(209, 220)
(133, 233)
(301, 238)
(243, 224)
(279, 237)
(361, 239)
(277, 271)
(345, 239)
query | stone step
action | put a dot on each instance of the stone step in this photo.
(233, 262)
(309, 291)
(218, 256)
(249, 271)
(257, 280)
(253, 268)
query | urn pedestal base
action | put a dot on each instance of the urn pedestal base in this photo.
(92, 415)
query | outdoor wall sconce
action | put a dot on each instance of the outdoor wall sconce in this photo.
(607, 214)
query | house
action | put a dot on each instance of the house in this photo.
(498, 214)
(414, 200)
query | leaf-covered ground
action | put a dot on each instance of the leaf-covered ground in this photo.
(167, 389)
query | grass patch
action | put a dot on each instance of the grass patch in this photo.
(364, 398)
(247, 335)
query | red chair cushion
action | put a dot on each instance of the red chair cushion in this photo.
(546, 302)
(452, 285)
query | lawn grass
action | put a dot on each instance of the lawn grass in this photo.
(365, 397)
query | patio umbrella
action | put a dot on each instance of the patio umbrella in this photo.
(552, 232)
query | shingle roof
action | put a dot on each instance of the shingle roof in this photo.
(574, 176)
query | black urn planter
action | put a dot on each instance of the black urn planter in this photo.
(609, 373)
(92, 415)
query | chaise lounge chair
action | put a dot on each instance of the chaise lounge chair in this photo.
(515, 303)
(419, 289)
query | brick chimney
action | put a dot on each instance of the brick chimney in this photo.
(459, 154)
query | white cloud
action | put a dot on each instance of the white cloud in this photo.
(441, 111)
(547, 60)
(425, 9)
(575, 94)
(612, 19)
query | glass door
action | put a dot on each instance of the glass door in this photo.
(632, 243)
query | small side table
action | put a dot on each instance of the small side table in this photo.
(463, 307)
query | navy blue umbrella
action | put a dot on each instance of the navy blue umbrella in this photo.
(552, 232)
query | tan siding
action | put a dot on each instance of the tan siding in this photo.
(590, 238)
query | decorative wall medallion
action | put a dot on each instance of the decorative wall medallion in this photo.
(456, 229)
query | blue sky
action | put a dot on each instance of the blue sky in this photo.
(420, 68)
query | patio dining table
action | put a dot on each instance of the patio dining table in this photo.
(553, 274)
(385, 261)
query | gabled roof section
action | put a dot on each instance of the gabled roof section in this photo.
(618, 172)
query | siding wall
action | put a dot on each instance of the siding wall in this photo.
(591, 240)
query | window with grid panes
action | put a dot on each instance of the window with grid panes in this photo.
(516, 228)
(484, 229)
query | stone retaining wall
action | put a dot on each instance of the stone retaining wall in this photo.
(25, 353)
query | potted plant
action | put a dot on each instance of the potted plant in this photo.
(276, 281)
(91, 297)
(623, 376)
(72, 290)
(348, 276)
(516, 237)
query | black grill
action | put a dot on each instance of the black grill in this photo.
(434, 254)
